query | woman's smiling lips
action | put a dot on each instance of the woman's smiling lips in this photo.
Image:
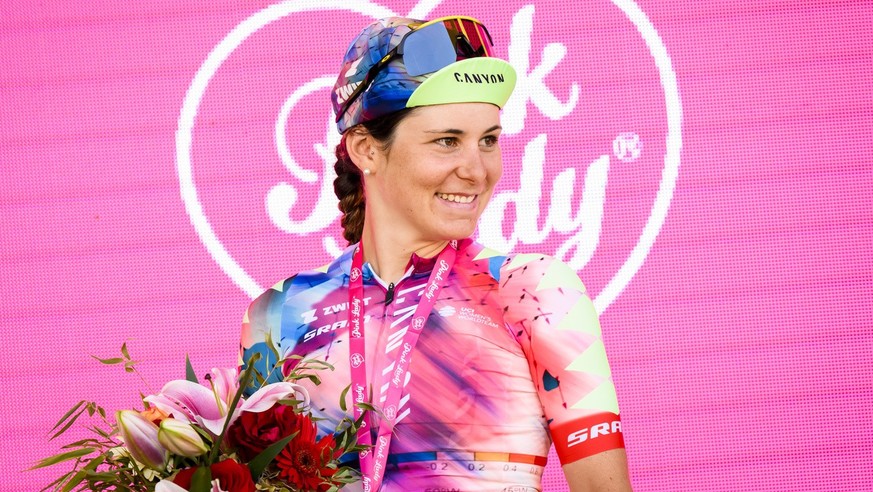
(455, 198)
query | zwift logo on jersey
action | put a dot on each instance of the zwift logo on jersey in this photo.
(591, 137)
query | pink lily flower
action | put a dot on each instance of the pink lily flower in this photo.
(225, 383)
(193, 403)
(188, 402)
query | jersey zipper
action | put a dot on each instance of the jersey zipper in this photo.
(389, 296)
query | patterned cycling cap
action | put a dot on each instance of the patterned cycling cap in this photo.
(446, 61)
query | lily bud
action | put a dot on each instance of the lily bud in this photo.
(180, 438)
(140, 437)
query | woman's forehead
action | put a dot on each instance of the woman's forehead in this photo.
(473, 118)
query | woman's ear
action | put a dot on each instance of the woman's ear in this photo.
(363, 150)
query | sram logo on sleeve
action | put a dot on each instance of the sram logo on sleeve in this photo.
(593, 432)
(587, 436)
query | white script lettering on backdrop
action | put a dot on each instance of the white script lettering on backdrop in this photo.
(541, 200)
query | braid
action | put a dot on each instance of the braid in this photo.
(348, 188)
(348, 185)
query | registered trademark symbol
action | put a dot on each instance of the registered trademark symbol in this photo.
(627, 147)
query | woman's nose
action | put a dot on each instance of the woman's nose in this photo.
(472, 165)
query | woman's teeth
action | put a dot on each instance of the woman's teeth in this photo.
(456, 198)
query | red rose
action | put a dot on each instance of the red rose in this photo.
(302, 464)
(252, 432)
(232, 476)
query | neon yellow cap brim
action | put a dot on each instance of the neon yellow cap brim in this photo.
(484, 79)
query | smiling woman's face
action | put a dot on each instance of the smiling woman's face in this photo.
(439, 173)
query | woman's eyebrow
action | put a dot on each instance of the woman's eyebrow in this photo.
(453, 131)
(456, 131)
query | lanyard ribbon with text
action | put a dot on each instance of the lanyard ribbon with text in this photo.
(375, 457)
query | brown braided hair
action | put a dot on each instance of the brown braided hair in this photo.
(348, 184)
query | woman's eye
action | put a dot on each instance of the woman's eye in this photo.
(489, 141)
(447, 141)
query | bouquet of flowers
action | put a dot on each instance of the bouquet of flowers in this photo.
(193, 437)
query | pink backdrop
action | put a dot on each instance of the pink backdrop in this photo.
(705, 165)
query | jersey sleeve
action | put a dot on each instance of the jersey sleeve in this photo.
(558, 329)
(261, 332)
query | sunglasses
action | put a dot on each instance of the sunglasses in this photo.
(429, 47)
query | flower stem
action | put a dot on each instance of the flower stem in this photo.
(244, 381)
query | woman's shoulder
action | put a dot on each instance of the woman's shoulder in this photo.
(307, 280)
(532, 271)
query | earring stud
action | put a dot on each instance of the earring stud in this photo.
(366, 171)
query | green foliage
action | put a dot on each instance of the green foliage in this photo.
(190, 375)
(101, 463)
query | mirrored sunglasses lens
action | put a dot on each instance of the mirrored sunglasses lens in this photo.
(475, 34)
(428, 49)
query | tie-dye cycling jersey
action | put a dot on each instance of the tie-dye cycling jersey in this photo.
(511, 358)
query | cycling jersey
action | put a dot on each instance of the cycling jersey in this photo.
(510, 359)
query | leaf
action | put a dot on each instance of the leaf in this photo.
(70, 422)
(342, 401)
(272, 346)
(315, 378)
(54, 485)
(110, 361)
(367, 406)
(106, 434)
(259, 463)
(67, 415)
(201, 481)
(190, 375)
(291, 402)
(258, 378)
(59, 458)
(83, 473)
(342, 440)
(244, 380)
(124, 351)
(80, 444)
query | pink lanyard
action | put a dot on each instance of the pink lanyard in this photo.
(374, 459)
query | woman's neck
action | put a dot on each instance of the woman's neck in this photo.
(389, 255)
